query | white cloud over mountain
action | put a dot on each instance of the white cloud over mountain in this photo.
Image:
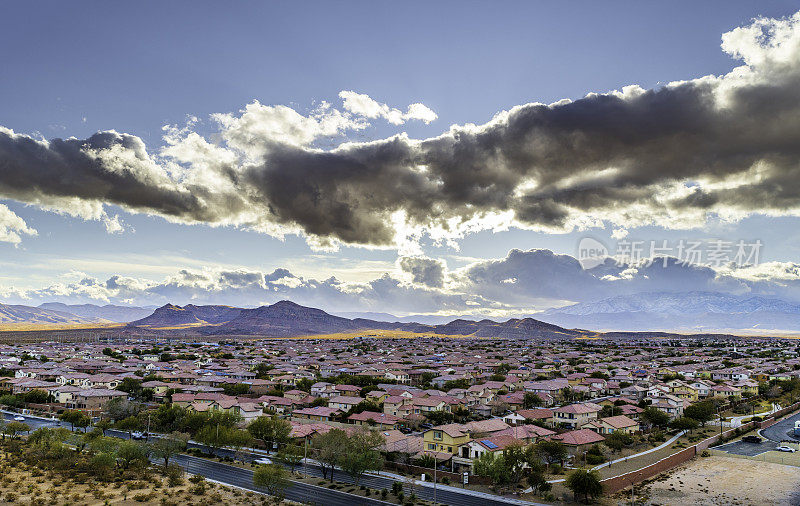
(518, 284)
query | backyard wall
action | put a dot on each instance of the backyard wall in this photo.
(617, 483)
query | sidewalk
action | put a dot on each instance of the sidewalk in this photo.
(629, 457)
(459, 490)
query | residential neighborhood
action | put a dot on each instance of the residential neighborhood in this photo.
(456, 405)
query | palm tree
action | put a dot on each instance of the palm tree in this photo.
(585, 483)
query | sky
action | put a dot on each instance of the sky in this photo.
(415, 157)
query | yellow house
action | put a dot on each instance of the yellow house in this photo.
(445, 438)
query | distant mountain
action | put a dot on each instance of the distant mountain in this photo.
(426, 319)
(683, 312)
(287, 319)
(120, 314)
(11, 313)
(171, 315)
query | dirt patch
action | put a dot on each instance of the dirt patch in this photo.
(24, 484)
(722, 481)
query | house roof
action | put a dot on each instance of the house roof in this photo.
(579, 437)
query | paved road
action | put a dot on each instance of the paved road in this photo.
(443, 495)
(747, 449)
(32, 421)
(782, 431)
(301, 492)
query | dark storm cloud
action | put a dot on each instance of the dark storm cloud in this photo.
(424, 271)
(671, 156)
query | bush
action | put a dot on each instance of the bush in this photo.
(556, 469)
(594, 459)
(174, 475)
(196, 478)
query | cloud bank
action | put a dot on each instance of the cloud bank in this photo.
(716, 146)
(519, 284)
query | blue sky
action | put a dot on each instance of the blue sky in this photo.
(78, 69)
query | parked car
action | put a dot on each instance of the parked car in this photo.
(139, 435)
(263, 460)
(784, 448)
(752, 439)
(19, 418)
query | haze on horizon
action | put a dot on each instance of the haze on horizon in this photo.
(449, 163)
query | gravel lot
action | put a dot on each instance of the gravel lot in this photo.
(722, 481)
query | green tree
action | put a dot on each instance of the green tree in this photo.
(654, 417)
(551, 451)
(515, 459)
(120, 408)
(132, 386)
(362, 453)
(169, 445)
(235, 388)
(220, 436)
(36, 396)
(270, 429)
(102, 465)
(14, 428)
(701, 411)
(131, 453)
(531, 400)
(684, 423)
(330, 448)
(291, 454)
(618, 440)
(75, 419)
(493, 466)
(271, 478)
(536, 477)
(103, 425)
(129, 425)
(585, 483)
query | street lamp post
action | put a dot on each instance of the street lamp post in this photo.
(435, 465)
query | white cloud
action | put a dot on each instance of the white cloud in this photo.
(362, 104)
(12, 227)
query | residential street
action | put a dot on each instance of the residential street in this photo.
(782, 430)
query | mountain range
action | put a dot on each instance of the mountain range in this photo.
(680, 312)
(120, 314)
(688, 312)
(13, 314)
(287, 319)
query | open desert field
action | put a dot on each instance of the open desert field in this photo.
(723, 481)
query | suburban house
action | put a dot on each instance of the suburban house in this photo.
(445, 438)
(611, 424)
(93, 400)
(372, 419)
(575, 416)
